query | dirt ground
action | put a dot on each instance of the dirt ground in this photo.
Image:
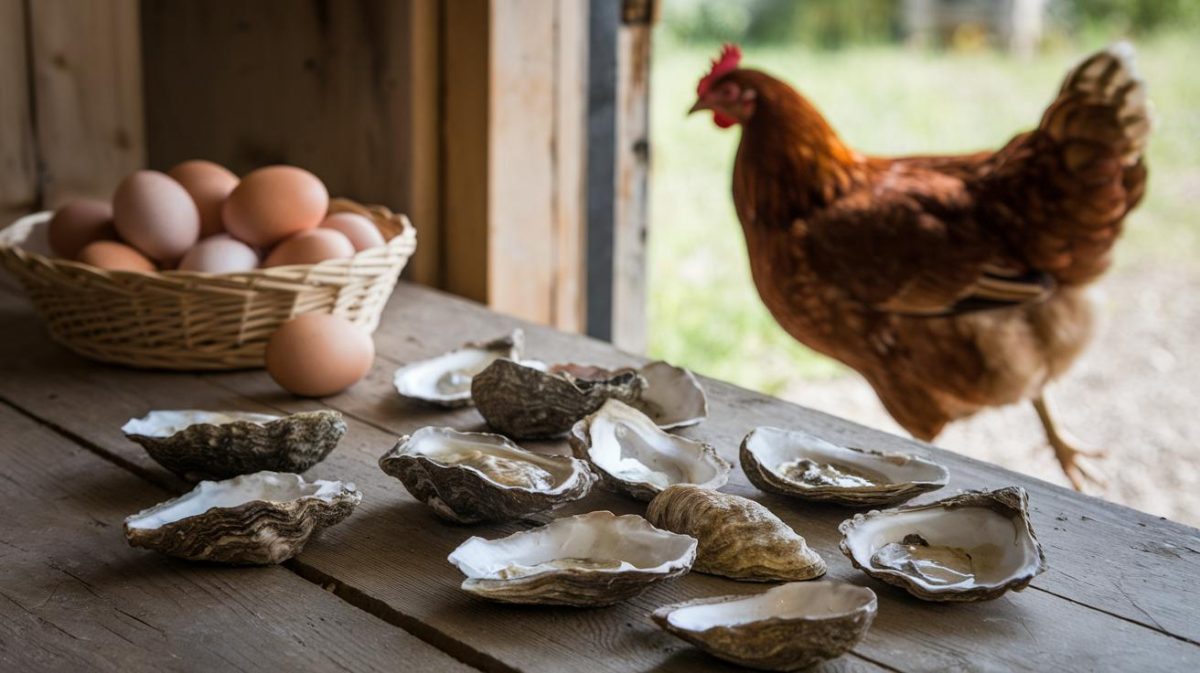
(1134, 393)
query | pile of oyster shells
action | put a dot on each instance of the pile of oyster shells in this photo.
(969, 547)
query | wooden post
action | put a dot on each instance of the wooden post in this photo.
(633, 174)
(515, 116)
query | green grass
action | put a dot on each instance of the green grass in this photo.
(704, 311)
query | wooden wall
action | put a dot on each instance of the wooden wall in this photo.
(468, 115)
(70, 100)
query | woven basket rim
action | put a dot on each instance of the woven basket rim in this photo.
(15, 234)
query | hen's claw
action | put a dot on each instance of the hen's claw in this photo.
(1066, 451)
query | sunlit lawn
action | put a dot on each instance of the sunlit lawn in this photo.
(704, 312)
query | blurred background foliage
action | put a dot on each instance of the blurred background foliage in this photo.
(886, 93)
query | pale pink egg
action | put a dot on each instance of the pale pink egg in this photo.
(361, 231)
(221, 253)
(311, 247)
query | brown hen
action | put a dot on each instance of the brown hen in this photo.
(951, 283)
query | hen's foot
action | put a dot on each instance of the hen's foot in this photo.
(1066, 451)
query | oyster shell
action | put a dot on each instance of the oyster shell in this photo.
(257, 519)
(634, 456)
(786, 628)
(673, 397)
(796, 463)
(738, 538)
(526, 402)
(446, 379)
(970, 547)
(586, 560)
(221, 444)
(468, 477)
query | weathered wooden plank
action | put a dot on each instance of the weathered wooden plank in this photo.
(419, 587)
(73, 596)
(88, 90)
(18, 161)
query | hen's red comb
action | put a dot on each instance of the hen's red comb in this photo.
(726, 63)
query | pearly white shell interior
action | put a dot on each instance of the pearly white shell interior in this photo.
(168, 422)
(673, 397)
(434, 443)
(628, 445)
(1015, 551)
(445, 377)
(598, 535)
(796, 600)
(260, 486)
(775, 446)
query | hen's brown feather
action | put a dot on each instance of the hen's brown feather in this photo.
(888, 264)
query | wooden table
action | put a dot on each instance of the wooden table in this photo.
(376, 593)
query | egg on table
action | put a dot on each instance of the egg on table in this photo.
(311, 247)
(155, 214)
(114, 256)
(78, 223)
(209, 185)
(221, 253)
(317, 354)
(361, 231)
(275, 202)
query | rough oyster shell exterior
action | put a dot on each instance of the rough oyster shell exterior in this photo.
(737, 537)
(220, 445)
(525, 402)
(902, 476)
(778, 629)
(964, 521)
(689, 460)
(469, 494)
(419, 380)
(254, 519)
(618, 557)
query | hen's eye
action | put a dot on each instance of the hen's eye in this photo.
(729, 91)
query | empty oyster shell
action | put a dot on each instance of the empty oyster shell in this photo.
(446, 379)
(738, 538)
(786, 628)
(634, 456)
(468, 477)
(221, 444)
(796, 463)
(586, 560)
(258, 519)
(524, 401)
(673, 397)
(969, 547)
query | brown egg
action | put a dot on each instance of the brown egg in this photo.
(220, 254)
(311, 247)
(361, 231)
(156, 215)
(272, 203)
(78, 223)
(316, 354)
(209, 185)
(114, 256)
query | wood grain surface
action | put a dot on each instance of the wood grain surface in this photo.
(75, 597)
(1118, 595)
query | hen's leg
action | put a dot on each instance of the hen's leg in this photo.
(1065, 449)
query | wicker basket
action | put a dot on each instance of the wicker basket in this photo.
(189, 321)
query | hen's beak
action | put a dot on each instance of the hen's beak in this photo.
(700, 105)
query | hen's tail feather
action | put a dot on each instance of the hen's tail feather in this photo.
(1104, 82)
(1061, 193)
